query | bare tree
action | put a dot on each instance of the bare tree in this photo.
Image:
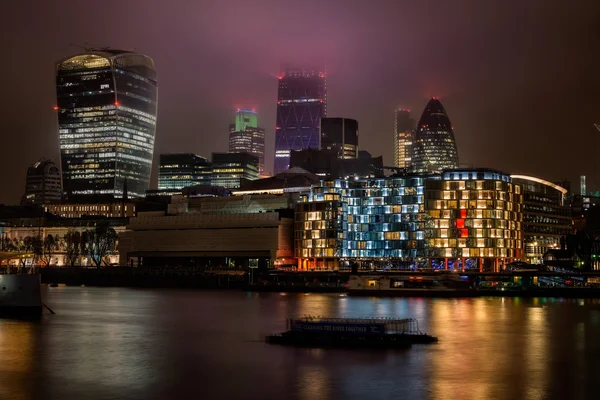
(46, 249)
(72, 246)
(99, 242)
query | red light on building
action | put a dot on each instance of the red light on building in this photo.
(116, 103)
(463, 213)
(55, 108)
(460, 223)
(280, 77)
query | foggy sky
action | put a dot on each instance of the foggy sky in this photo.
(519, 79)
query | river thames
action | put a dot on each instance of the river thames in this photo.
(106, 343)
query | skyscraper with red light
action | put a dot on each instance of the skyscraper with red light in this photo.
(106, 106)
(434, 144)
(301, 103)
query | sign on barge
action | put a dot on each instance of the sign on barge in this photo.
(351, 332)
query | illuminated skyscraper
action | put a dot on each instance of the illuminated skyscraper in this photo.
(301, 103)
(246, 137)
(403, 138)
(434, 144)
(341, 136)
(106, 105)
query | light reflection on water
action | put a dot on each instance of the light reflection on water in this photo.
(162, 344)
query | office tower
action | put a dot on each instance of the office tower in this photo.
(301, 103)
(403, 138)
(106, 106)
(582, 186)
(246, 137)
(434, 145)
(340, 135)
(178, 171)
(43, 184)
(230, 168)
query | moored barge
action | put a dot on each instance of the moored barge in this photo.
(351, 332)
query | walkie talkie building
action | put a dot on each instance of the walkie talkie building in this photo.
(106, 105)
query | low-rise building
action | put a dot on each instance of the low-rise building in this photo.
(546, 218)
(219, 232)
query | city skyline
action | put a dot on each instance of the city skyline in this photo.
(500, 67)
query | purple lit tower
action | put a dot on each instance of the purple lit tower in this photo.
(301, 103)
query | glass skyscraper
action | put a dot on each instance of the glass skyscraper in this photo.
(434, 144)
(301, 103)
(106, 105)
(229, 169)
(246, 137)
(178, 171)
(341, 136)
(403, 138)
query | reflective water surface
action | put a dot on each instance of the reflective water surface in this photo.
(106, 343)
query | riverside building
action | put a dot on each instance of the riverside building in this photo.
(461, 219)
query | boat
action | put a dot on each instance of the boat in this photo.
(20, 295)
(436, 285)
(313, 331)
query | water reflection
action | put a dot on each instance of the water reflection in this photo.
(120, 343)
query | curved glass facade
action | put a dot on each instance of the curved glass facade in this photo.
(434, 145)
(467, 218)
(106, 105)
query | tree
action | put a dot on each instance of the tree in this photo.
(47, 248)
(73, 245)
(100, 242)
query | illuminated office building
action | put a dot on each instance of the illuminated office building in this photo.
(246, 137)
(546, 218)
(403, 138)
(434, 147)
(43, 183)
(301, 103)
(177, 171)
(475, 219)
(461, 219)
(106, 106)
(230, 169)
(340, 135)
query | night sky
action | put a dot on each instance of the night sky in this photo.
(520, 80)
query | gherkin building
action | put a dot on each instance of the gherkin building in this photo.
(434, 146)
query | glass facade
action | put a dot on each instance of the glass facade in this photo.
(106, 106)
(423, 219)
(546, 219)
(340, 135)
(301, 103)
(177, 171)
(403, 138)
(434, 145)
(474, 214)
(43, 183)
(368, 218)
(246, 137)
(230, 168)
